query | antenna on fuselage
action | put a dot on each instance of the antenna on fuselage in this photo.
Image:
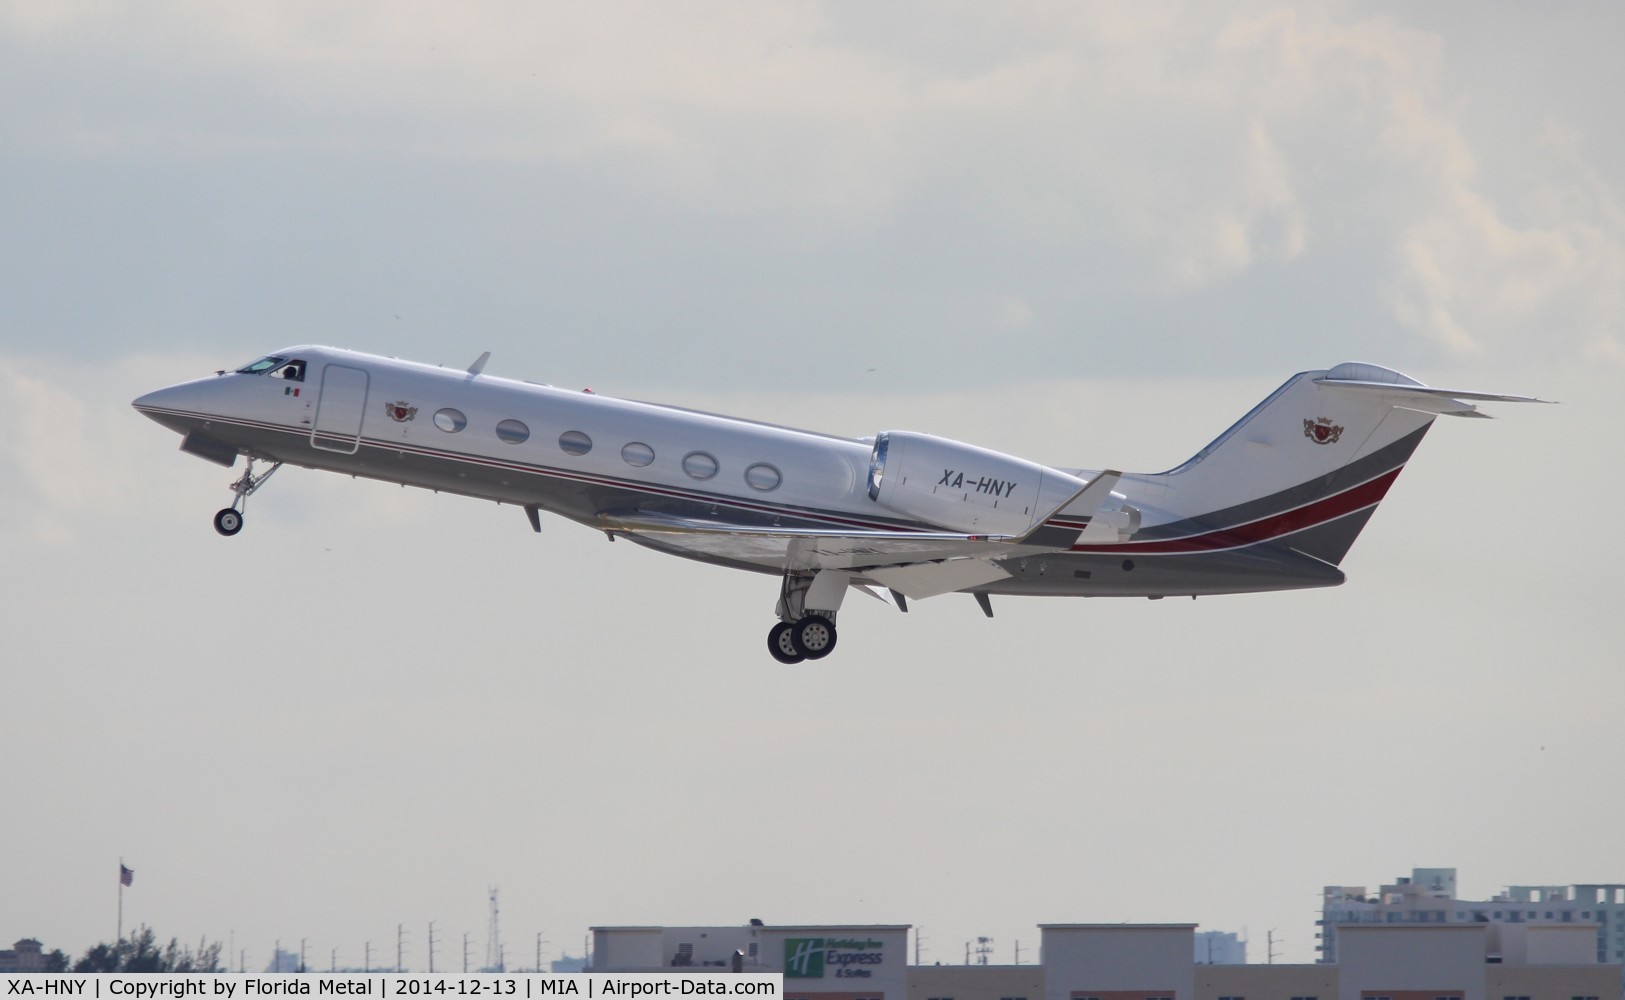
(479, 363)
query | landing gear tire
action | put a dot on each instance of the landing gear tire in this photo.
(230, 521)
(781, 645)
(813, 637)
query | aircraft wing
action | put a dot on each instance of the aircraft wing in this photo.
(813, 548)
(918, 564)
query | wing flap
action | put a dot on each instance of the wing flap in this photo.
(923, 580)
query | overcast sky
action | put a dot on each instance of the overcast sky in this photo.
(1093, 235)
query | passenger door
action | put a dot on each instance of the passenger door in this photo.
(339, 409)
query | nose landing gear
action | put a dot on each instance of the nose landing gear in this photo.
(229, 521)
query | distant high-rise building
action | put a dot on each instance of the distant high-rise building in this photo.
(283, 960)
(1428, 896)
(1220, 948)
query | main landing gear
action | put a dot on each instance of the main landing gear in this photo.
(810, 638)
(803, 633)
(230, 520)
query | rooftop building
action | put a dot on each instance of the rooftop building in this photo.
(1380, 961)
(26, 955)
(1428, 896)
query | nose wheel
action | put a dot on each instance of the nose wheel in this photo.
(230, 520)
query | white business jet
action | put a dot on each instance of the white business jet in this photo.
(1272, 504)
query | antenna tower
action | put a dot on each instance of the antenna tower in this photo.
(984, 948)
(493, 939)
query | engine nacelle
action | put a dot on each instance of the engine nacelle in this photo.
(960, 487)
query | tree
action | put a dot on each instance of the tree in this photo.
(99, 958)
(140, 953)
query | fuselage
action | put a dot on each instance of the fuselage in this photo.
(592, 458)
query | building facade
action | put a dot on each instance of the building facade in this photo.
(819, 962)
(1428, 896)
(26, 955)
(1379, 961)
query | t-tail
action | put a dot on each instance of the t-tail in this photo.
(1304, 470)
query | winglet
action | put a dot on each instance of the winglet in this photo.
(1093, 496)
(479, 363)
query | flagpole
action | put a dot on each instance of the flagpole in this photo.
(120, 938)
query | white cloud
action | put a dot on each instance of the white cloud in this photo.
(1472, 279)
(47, 470)
(83, 453)
(1182, 145)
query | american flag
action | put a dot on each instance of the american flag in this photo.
(126, 876)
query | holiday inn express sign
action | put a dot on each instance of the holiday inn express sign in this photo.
(851, 958)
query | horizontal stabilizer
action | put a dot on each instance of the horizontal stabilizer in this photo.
(1407, 392)
(1427, 390)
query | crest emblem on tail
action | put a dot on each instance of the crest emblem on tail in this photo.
(1322, 431)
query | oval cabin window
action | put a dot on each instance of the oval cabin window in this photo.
(575, 443)
(762, 476)
(513, 432)
(449, 420)
(699, 465)
(637, 454)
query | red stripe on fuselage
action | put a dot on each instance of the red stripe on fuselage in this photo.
(1308, 516)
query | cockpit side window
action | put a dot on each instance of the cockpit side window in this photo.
(293, 371)
(261, 366)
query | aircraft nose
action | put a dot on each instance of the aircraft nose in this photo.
(176, 406)
(159, 399)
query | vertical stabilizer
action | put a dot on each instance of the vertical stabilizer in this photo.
(1305, 469)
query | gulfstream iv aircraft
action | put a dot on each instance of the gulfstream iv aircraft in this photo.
(1272, 504)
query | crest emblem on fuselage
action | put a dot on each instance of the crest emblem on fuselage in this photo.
(1322, 431)
(400, 412)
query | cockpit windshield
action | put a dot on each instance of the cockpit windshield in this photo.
(276, 367)
(261, 366)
